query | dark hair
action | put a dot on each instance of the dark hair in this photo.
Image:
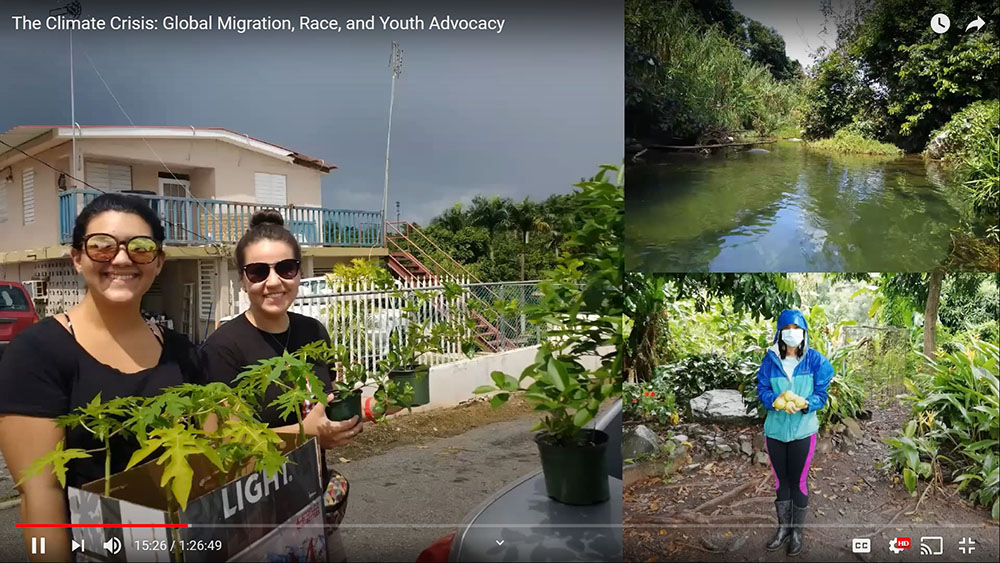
(783, 348)
(123, 204)
(266, 224)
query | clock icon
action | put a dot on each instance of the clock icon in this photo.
(940, 23)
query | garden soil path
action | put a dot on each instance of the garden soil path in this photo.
(723, 509)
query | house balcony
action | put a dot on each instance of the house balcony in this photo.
(192, 222)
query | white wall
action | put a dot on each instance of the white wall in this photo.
(454, 382)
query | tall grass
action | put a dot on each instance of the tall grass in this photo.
(850, 142)
(981, 175)
(690, 79)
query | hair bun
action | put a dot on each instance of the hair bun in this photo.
(267, 216)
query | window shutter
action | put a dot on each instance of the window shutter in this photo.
(206, 288)
(3, 202)
(28, 193)
(108, 177)
(270, 188)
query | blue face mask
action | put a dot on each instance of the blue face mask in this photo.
(793, 336)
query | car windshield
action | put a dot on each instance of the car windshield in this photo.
(12, 299)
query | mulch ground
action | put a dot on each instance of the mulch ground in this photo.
(723, 509)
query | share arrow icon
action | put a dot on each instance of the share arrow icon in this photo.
(976, 24)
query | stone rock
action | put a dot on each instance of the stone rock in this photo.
(746, 447)
(938, 145)
(853, 428)
(838, 428)
(639, 441)
(761, 458)
(723, 406)
(737, 544)
(680, 438)
(824, 445)
(724, 448)
(759, 442)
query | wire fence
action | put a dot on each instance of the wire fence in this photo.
(363, 317)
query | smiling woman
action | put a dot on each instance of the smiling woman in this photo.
(102, 346)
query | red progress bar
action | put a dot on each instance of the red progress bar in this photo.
(103, 525)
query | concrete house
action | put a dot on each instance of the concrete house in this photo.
(205, 183)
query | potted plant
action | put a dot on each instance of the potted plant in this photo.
(422, 333)
(580, 312)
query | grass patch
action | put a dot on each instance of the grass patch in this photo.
(849, 142)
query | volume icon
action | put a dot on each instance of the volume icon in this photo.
(114, 545)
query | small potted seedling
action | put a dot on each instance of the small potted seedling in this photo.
(421, 333)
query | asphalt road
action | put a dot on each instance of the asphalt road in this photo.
(403, 500)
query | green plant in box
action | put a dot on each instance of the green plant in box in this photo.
(581, 311)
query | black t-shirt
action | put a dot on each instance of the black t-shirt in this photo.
(46, 373)
(238, 344)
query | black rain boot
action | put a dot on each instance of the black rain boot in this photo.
(784, 509)
(798, 521)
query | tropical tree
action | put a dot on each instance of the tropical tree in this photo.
(491, 214)
(524, 217)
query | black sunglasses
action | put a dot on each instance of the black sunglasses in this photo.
(259, 271)
(102, 247)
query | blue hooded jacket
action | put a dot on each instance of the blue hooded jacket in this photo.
(810, 380)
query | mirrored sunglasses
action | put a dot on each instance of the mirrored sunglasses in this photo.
(102, 247)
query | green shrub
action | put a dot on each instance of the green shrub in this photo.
(968, 131)
(846, 394)
(696, 374)
(649, 400)
(847, 140)
(956, 425)
(683, 78)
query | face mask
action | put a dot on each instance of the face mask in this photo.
(793, 336)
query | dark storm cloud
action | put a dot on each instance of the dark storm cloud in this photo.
(525, 112)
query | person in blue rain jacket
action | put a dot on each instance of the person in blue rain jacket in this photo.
(790, 433)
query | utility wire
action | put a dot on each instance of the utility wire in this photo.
(36, 159)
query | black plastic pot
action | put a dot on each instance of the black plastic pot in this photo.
(418, 377)
(578, 473)
(344, 409)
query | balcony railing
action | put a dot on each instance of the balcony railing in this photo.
(190, 221)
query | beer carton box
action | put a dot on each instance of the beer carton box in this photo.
(244, 519)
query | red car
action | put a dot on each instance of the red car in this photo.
(17, 312)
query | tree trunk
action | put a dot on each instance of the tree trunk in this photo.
(524, 248)
(931, 312)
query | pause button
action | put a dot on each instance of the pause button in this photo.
(37, 545)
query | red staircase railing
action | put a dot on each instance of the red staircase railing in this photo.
(405, 264)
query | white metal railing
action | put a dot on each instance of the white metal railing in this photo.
(362, 317)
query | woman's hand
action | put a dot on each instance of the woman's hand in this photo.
(336, 433)
(791, 407)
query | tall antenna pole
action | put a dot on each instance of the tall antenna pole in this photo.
(396, 66)
(72, 111)
(73, 10)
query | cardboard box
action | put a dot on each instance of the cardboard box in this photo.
(248, 513)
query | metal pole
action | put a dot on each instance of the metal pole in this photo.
(72, 110)
(396, 65)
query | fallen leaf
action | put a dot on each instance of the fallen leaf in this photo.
(662, 532)
(344, 460)
(654, 507)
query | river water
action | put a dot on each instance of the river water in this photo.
(789, 210)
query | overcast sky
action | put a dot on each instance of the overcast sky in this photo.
(799, 22)
(526, 112)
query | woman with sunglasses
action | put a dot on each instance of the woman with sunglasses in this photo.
(100, 346)
(268, 258)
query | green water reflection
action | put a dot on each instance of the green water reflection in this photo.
(790, 210)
